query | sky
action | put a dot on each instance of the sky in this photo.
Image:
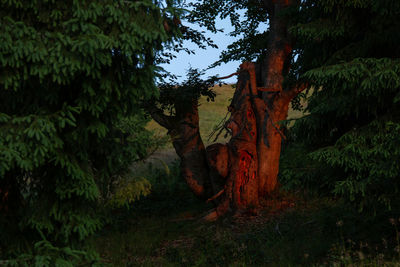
(205, 57)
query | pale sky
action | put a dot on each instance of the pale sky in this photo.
(204, 58)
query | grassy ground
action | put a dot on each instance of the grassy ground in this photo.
(165, 229)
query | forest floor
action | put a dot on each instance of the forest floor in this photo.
(291, 229)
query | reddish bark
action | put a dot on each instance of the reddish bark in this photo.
(274, 104)
(241, 188)
(251, 118)
(236, 175)
(269, 145)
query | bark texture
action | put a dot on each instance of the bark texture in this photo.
(273, 105)
(241, 187)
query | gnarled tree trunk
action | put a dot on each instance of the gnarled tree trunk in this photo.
(186, 139)
(237, 174)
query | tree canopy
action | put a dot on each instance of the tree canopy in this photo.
(349, 51)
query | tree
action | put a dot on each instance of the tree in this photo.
(237, 174)
(326, 45)
(350, 51)
(72, 75)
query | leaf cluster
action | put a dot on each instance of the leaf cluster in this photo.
(368, 158)
(177, 99)
(248, 19)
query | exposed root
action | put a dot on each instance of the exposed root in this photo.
(221, 210)
(211, 216)
(216, 195)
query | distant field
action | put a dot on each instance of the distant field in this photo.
(212, 113)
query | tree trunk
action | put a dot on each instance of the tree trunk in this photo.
(188, 145)
(237, 174)
(186, 139)
(274, 104)
(242, 183)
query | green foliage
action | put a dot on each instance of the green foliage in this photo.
(348, 50)
(176, 99)
(128, 191)
(369, 159)
(72, 77)
(46, 254)
(298, 171)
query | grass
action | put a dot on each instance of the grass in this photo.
(165, 229)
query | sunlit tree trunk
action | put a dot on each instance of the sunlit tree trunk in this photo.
(273, 105)
(237, 174)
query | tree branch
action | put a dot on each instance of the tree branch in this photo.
(294, 91)
(162, 119)
(226, 77)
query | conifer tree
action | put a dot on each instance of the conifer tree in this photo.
(72, 75)
(349, 51)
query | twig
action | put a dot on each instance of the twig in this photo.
(273, 124)
(219, 128)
